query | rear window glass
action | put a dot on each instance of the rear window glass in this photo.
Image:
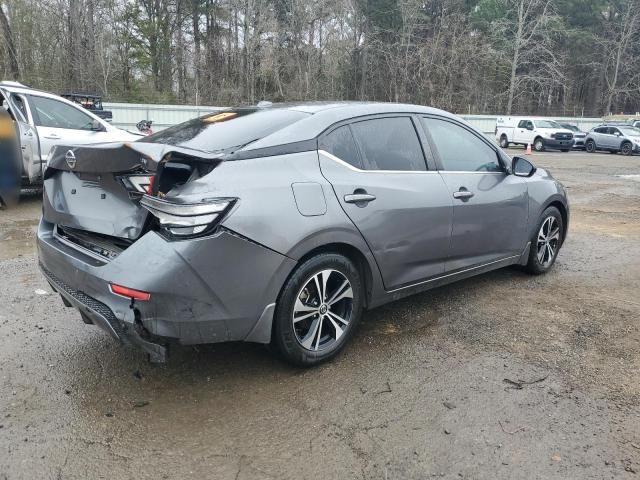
(229, 130)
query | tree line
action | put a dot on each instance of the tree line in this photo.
(556, 57)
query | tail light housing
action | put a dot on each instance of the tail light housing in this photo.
(138, 184)
(187, 220)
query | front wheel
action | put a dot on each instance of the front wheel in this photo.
(538, 145)
(590, 146)
(626, 149)
(546, 242)
(318, 310)
(504, 142)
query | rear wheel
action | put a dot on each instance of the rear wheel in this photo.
(318, 310)
(546, 242)
(504, 142)
(626, 148)
(590, 146)
(538, 145)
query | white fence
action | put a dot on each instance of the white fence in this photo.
(126, 115)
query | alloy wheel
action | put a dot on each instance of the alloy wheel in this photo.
(626, 149)
(538, 145)
(548, 241)
(322, 310)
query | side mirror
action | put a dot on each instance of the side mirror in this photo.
(530, 127)
(522, 167)
(96, 126)
(617, 134)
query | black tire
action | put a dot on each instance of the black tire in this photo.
(626, 148)
(286, 337)
(536, 265)
(564, 150)
(504, 141)
(538, 144)
(590, 146)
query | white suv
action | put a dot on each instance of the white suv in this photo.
(45, 120)
(539, 133)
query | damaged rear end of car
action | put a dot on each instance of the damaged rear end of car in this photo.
(131, 235)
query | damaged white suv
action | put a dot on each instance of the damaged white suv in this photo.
(46, 120)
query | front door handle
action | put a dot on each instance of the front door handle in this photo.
(52, 137)
(463, 194)
(359, 198)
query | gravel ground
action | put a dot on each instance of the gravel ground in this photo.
(420, 392)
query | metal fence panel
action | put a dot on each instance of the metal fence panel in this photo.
(127, 115)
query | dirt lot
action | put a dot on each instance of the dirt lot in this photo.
(420, 392)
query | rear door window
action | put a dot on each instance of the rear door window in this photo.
(227, 131)
(340, 143)
(459, 149)
(389, 144)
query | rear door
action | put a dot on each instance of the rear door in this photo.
(402, 208)
(490, 206)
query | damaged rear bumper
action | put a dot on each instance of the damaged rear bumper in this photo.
(205, 290)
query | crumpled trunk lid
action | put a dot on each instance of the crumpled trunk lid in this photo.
(83, 188)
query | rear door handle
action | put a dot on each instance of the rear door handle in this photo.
(463, 194)
(359, 198)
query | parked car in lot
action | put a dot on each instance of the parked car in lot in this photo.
(613, 138)
(46, 120)
(539, 133)
(578, 135)
(282, 224)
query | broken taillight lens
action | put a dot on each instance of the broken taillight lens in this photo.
(141, 184)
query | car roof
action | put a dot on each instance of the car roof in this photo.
(322, 115)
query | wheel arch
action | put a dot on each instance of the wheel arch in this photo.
(351, 252)
(564, 212)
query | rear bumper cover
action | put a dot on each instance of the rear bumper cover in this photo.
(214, 289)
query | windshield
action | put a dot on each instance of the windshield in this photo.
(228, 130)
(630, 131)
(547, 124)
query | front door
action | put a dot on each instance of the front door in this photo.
(525, 132)
(402, 209)
(490, 206)
(31, 162)
(59, 123)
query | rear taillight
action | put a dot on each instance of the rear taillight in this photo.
(140, 184)
(187, 220)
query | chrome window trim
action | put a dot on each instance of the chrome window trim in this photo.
(330, 156)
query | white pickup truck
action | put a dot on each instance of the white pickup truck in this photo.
(537, 132)
(45, 120)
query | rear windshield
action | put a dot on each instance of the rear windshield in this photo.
(227, 131)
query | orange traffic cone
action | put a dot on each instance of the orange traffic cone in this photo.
(528, 149)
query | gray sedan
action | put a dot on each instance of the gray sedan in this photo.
(282, 224)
